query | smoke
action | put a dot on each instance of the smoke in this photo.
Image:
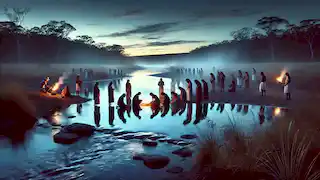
(65, 75)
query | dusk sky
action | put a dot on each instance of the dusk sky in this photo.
(146, 27)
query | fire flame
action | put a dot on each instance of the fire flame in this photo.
(281, 77)
(277, 111)
(145, 103)
(55, 87)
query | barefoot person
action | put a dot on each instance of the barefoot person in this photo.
(263, 84)
(286, 90)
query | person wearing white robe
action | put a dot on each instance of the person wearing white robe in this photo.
(161, 90)
(253, 76)
(173, 85)
(263, 84)
(286, 89)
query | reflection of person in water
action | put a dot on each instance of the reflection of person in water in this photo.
(79, 108)
(155, 103)
(239, 108)
(111, 115)
(128, 89)
(111, 92)
(213, 82)
(183, 106)
(161, 86)
(173, 85)
(189, 114)
(212, 105)
(183, 94)
(245, 109)
(136, 105)
(205, 90)
(198, 92)
(97, 116)
(189, 90)
(220, 107)
(121, 112)
(174, 103)
(128, 106)
(121, 104)
(155, 112)
(96, 93)
(205, 110)
(261, 115)
(199, 115)
(232, 106)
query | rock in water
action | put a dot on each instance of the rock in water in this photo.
(153, 161)
(183, 152)
(65, 138)
(189, 136)
(79, 129)
(175, 170)
(149, 143)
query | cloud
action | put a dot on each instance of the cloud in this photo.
(93, 24)
(237, 12)
(132, 12)
(162, 43)
(150, 37)
(146, 29)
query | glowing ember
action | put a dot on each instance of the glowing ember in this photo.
(281, 77)
(55, 87)
(277, 111)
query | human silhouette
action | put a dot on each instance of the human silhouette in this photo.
(232, 87)
(136, 105)
(220, 107)
(286, 89)
(155, 103)
(96, 93)
(213, 82)
(111, 116)
(129, 107)
(121, 112)
(183, 106)
(240, 79)
(128, 89)
(222, 78)
(79, 108)
(198, 92)
(120, 102)
(245, 109)
(189, 90)
(205, 110)
(205, 90)
(97, 116)
(212, 105)
(239, 108)
(263, 84)
(174, 103)
(166, 99)
(246, 80)
(232, 106)
(110, 93)
(261, 115)
(189, 114)
(155, 112)
(165, 110)
(183, 94)
(199, 115)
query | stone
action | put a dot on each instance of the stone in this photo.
(189, 136)
(183, 143)
(153, 161)
(70, 117)
(127, 137)
(80, 129)
(175, 170)
(183, 152)
(156, 137)
(149, 143)
(120, 133)
(65, 138)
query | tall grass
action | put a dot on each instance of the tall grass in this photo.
(280, 152)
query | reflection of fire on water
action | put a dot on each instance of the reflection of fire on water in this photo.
(277, 111)
(145, 103)
(281, 77)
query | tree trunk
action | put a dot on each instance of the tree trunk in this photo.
(311, 50)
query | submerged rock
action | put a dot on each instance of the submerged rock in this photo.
(153, 161)
(70, 117)
(189, 136)
(183, 152)
(156, 137)
(175, 170)
(120, 133)
(149, 143)
(65, 138)
(79, 129)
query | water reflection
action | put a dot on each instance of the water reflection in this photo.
(189, 114)
(261, 115)
(182, 108)
(121, 112)
(79, 108)
(97, 116)
(111, 116)
(245, 109)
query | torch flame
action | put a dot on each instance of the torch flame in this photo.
(277, 111)
(145, 103)
(55, 87)
(281, 77)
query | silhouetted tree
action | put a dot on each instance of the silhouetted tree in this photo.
(310, 29)
(16, 15)
(271, 26)
(85, 39)
(57, 28)
(245, 33)
(115, 48)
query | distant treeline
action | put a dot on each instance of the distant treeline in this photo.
(50, 44)
(273, 39)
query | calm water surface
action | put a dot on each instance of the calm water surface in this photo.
(104, 154)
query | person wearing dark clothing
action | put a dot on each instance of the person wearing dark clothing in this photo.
(111, 92)
(128, 89)
(96, 93)
(246, 80)
(121, 103)
(136, 101)
(232, 87)
(183, 94)
(166, 99)
(155, 101)
(205, 90)
(213, 82)
(222, 81)
(198, 92)
(189, 90)
(78, 85)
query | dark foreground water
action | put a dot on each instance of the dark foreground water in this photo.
(106, 157)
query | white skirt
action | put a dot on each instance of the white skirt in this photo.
(286, 89)
(253, 77)
(262, 86)
(239, 81)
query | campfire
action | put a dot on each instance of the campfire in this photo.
(277, 111)
(145, 103)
